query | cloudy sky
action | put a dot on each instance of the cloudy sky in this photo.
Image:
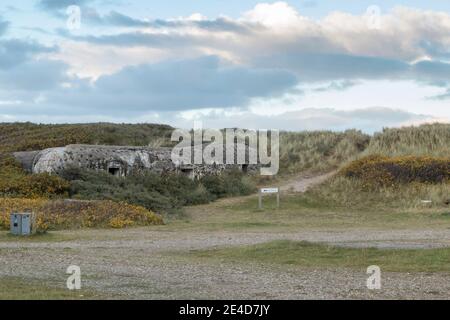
(297, 65)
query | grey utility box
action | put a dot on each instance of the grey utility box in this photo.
(22, 224)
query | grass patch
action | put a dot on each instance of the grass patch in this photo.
(308, 255)
(12, 288)
(5, 236)
(311, 211)
(352, 194)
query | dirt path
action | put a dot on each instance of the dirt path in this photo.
(302, 183)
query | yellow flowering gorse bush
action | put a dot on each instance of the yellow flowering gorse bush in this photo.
(73, 214)
(380, 171)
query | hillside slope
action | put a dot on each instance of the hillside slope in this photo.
(432, 140)
(30, 136)
(406, 168)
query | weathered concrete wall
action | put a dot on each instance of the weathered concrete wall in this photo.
(117, 160)
(26, 158)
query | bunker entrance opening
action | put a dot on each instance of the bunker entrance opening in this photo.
(114, 171)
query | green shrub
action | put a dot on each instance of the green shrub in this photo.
(229, 184)
(199, 195)
(161, 193)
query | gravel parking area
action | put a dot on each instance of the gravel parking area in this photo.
(139, 263)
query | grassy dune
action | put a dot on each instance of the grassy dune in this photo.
(401, 169)
(319, 151)
(431, 140)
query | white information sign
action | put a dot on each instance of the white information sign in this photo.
(269, 190)
(263, 191)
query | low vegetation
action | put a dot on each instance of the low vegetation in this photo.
(403, 169)
(69, 214)
(13, 288)
(14, 182)
(308, 255)
(160, 193)
(29, 136)
(354, 194)
(379, 171)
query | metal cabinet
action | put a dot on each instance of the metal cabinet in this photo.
(22, 224)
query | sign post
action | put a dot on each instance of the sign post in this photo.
(263, 191)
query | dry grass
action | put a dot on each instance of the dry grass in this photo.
(312, 211)
(30, 136)
(319, 151)
(432, 140)
(21, 289)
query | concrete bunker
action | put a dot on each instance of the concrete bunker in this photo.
(119, 161)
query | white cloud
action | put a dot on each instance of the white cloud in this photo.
(277, 16)
(276, 35)
(90, 61)
(268, 56)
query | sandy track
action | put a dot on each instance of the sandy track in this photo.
(303, 183)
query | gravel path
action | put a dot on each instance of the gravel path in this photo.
(141, 274)
(140, 265)
(162, 241)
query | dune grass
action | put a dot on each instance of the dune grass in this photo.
(432, 140)
(403, 170)
(319, 151)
